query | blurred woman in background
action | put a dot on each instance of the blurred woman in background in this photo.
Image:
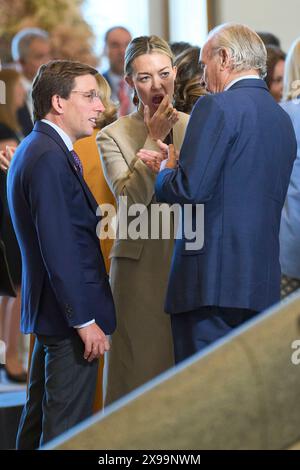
(188, 87)
(275, 71)
(290, 220)
(10, 135)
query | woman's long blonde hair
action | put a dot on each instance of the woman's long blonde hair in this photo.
(109, 115)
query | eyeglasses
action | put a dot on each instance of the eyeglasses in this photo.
(91, 95)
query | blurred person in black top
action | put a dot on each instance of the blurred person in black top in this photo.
(11, 135)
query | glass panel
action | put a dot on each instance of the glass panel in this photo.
(188, 21)
(103, 14)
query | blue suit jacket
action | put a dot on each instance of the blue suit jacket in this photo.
(289, 234)
(64, 281)
(236, 158)
(25, 120)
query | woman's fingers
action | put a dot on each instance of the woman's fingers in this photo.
(146, 115)
(10, 151)
(148, 152)
(150, 155)
(164, 104)
(4, 162)
(151, 161)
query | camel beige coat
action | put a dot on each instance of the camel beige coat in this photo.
(142, 344)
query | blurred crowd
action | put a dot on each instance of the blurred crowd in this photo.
(142, 345)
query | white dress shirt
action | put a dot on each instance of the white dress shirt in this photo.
(244, 77)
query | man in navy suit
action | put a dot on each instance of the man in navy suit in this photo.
(236, 159)
(66, 297)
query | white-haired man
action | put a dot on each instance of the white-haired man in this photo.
(236, 159)
(30, 49)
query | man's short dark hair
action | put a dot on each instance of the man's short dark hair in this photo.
(110, 30)
(269, 39)
(55, 78)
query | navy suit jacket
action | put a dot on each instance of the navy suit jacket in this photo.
(106, 76)
(25, 120)
(64, 281)
(236, 158)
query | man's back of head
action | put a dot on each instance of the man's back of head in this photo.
(231, 51)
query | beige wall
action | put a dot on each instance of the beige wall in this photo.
(158, 18)
(277, 16)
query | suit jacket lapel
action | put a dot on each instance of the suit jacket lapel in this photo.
(90, 197)
(46, 129)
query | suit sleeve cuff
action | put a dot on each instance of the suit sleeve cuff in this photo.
(85, 324)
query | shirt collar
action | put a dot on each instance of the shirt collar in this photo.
(61, 133)
(240, 78)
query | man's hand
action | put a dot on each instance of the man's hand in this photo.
(162, 121)
(6, 157)
(95, 341)
(172, 156)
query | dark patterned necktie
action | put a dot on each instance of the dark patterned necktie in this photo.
(77, 161)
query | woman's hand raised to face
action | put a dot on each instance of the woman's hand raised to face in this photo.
(162, 121)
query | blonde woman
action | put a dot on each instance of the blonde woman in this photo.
(142, 345)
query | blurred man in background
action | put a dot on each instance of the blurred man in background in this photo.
(116, 41)
(30, 49)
